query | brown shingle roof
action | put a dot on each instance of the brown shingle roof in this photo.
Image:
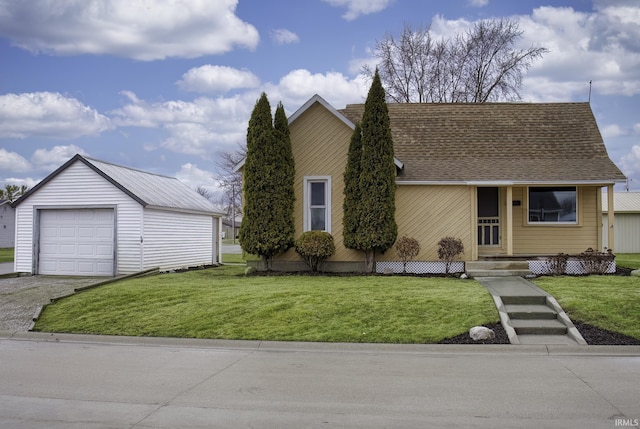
(513, 142)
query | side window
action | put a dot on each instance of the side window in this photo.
(317, 203)
(553, 205)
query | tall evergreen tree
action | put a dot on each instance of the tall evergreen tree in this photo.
(267, 224)
(283, 180)
(350, 219)
(376, 229)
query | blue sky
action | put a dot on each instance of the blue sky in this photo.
(165, 85)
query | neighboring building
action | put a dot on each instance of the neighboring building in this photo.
(508, 179)
(627, 221)
(230, 229)
(7, 224)
(91, 217)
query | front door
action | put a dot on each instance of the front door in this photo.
(488, 217)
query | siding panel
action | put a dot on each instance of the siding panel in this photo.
(320, 144)
(626, 230)
(429, 213)
(79, 186)
(175, 240)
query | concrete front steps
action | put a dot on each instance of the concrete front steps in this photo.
(497, 268)
(528, 314)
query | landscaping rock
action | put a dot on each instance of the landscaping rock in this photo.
(635, 273)
(480, 333)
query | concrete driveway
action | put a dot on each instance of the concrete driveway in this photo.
(20, 297)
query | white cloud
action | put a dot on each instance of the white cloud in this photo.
(48, 114)
(630, 165)
(53, 158)
(213, 79)
(139, 29)
(193, 176)
(206, 125)
(600, 46)
(478, 3)
(298, 86)
(29, 182)
(282, 36)
(356, 64)
(611, 131)
(200, 127)
(13, 162)
(355, 8)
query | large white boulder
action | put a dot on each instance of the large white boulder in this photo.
(480, 333)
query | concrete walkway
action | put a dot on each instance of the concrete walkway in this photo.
(71, 381)
(530, 315)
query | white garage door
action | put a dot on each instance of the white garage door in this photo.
(76, 242)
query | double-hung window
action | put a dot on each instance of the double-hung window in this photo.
(553, 205)
(317, 203)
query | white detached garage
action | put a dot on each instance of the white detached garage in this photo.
(93, 218)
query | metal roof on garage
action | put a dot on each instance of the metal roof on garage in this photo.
(623, 202)
(149, 189)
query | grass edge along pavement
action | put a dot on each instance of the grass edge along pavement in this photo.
(605, 301)
(222, 303)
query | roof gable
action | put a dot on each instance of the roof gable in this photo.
(148, 189)
(497, 143)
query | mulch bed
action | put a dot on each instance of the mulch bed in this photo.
(591, 334)
(501, 337)
(597, 336)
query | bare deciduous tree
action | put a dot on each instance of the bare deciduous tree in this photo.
(477, 66)
(205, 192)
(230, 180)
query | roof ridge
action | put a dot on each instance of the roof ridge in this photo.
(128, 168)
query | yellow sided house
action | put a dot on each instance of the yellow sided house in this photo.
(511, 180)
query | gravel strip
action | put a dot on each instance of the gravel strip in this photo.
(20, 297)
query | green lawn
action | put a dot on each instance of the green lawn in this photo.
(6, 254)
(608, 302)
(628, 260)
(222, 303)
(233, 258)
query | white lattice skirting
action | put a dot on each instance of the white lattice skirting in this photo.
(538, 267)
(573, 267)
(419, 267)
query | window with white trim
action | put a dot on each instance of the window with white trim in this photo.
(556, 204)
(317, 203)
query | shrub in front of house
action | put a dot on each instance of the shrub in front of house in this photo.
(557, 264)
(594, 262)
(407, 248)
(315, 247)
(449, 248)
